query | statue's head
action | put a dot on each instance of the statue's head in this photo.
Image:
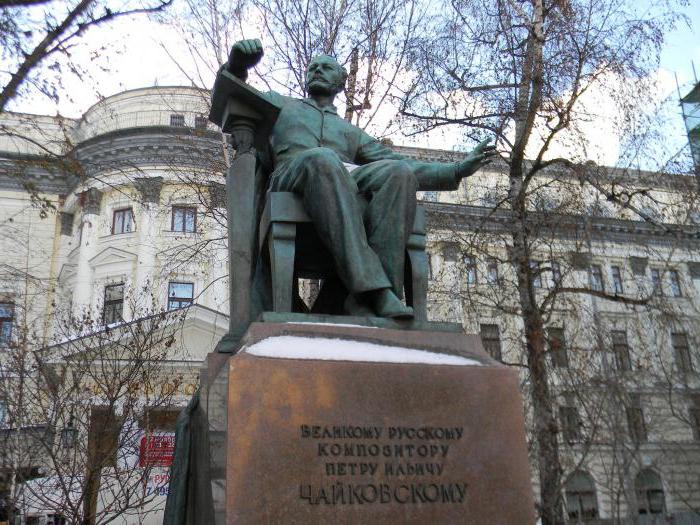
(325, 76)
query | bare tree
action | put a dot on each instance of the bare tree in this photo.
(78, 411)
(38, 39)
(522, 71)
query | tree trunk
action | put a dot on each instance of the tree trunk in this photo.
(544, 420)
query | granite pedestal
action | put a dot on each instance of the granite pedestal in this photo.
(320, 423)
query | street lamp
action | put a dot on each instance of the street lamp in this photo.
(69, 435)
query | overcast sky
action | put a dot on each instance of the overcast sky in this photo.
(137, 59)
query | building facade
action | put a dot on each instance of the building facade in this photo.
(118, 218)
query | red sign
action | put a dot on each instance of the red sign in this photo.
(157, 451)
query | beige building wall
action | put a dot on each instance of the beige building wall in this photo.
(139, 157)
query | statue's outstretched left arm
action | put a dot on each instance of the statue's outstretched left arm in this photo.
(432, 176)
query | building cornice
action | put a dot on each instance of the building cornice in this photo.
(41, 174)
(466, 218)
(150, 146)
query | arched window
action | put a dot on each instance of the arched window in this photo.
(650, 492)
(581, 503)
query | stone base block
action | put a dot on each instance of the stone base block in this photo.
(349, 425)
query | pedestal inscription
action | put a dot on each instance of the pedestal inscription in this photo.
(323, 441)
(404, 465)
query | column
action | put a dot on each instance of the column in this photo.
(91, 201)
(148, 235)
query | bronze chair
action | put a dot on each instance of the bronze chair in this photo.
(287, 234)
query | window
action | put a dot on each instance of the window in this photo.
(581, 502)
(492, 272)
(675, 283)
(650, 493)
(536, 274)
(123, 221)
(160, 418)
(491, 339)
(657, 289)
(200, 122)
(177, 120)
(113, 303)
(556, 274)
(617, 279)
(557, 347)
(694, 413)
(621, 350)
(180, 295)
(681, 349)
(103, 437)
(635, 420)
(431, 275)
(430, 196)
(596, 278)
(7, 314)
(570, 423)
(470, 269)
(184, 219)
(450, 251)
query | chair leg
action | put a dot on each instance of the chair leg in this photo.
(418, 260)
(281, 243)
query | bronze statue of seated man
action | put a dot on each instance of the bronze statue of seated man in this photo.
(332, 164)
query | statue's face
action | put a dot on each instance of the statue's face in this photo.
(325, 76)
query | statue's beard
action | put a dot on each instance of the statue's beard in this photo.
(316, 87)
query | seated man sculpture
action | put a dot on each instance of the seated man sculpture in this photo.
(332, 164)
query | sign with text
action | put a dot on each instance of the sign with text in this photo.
(157, 450)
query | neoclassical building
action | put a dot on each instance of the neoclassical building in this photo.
(119, 216)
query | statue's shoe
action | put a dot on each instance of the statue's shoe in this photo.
(386, 304)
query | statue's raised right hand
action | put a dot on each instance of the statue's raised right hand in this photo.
(244, 55)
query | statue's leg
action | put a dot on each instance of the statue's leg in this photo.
(331, 199)
(390, 187)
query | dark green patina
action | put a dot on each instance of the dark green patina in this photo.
(359, 194)
(360, 197)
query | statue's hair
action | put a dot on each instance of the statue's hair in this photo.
(344, 71)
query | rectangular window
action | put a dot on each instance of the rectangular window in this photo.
(7, 315)
(681, 349)
(184, 219)
(200, 122)
(123, 221)
(492, 272)
(557, 347)
(180, 295)
(635, 420)
(177, 120)
(556, 274)
(470, 269)
(103, 437)
(617, 279)
(675, 283)
(570, 423)
(596, 278)
(536, 274)
(621, 350)
(113, 303)
(159, 419)
(657, 288)
(491, 339)
(694, 414)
